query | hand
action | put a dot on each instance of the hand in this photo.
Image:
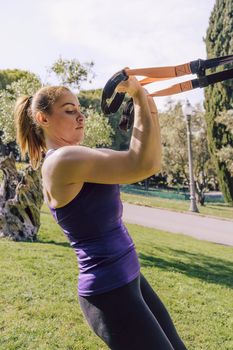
(130, 86)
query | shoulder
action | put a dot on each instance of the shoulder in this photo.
(50, 162)
(54, 156)
(56, 163)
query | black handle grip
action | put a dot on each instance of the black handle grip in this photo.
(108, 92)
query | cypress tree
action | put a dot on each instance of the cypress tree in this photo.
(219, 97)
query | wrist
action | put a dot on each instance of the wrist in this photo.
(139, 94)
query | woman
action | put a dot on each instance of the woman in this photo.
(81, 188)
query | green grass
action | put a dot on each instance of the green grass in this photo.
(221, 210)
(38, 300)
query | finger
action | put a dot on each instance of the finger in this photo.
(122, 86)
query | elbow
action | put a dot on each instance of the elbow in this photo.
(156, 163)
(145, 169)
(158, 166)
(157, 169)
(142, 173)
(153, 169)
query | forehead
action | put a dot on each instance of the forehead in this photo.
(67, 98)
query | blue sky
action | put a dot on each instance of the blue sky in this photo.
(113, 34)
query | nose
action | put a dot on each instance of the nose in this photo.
(80, 117)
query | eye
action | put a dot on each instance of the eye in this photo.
(71, 112)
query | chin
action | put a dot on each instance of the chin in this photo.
(79, 141)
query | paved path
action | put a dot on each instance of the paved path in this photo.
(204, 228)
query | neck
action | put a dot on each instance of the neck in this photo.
(55, 144)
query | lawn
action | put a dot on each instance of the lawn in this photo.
(39, 308)
(220, 210)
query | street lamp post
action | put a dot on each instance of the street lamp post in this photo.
(187, 112)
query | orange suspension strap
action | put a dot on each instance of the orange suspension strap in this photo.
(111, 101)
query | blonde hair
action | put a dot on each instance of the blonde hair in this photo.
(29, 134)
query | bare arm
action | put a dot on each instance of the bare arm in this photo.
(158, 145)
(72, 164)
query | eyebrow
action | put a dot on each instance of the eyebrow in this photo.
(69, 103)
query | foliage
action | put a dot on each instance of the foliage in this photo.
(122, 138)
(226, 118)
(175, 149)
(225, 154)
(72, 73)
(219, 97)
(91, 99)
(173, 135)
(27, 85)
(98, 132)
(8, 76)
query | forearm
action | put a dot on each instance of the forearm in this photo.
(145, 143)
(157, 134)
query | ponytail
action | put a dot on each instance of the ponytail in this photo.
(29, 135)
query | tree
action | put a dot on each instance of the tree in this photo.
(25, 86)
(21, 194)
(72, 73)
(219, 97)
(98, 132)
(173, 135)
(90, 100)
(175, 155)
(8, 94)
(225, 154)
(8, 76)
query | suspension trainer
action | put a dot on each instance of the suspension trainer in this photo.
(111, 101)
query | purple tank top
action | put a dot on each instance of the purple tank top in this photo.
(92, 221)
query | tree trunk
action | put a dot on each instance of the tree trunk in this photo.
(21, 199)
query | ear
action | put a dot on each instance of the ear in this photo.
(42, 119)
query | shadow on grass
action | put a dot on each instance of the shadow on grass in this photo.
(218, 208)
(206, 268)
(219, 205)
(61, 244)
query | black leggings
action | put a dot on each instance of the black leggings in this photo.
(131, 317)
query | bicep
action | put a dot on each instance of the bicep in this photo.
(79, 163)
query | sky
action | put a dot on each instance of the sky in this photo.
(112, 34)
